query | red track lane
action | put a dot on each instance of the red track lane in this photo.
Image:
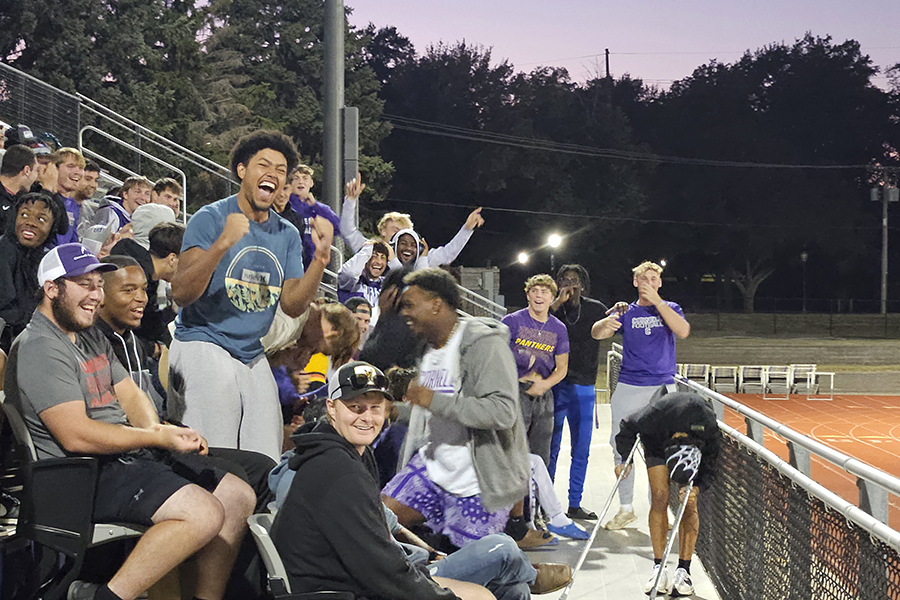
(864, 427)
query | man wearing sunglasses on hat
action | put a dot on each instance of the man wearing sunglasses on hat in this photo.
(331, 519)
(331, 531)
(681, 441)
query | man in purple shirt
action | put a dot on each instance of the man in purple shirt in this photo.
(70, 165)
(649, 327)
(305, 205)
(540, 344)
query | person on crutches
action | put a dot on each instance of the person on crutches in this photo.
(681, 442)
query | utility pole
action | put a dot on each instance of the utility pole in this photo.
(607, 63)
(333, 102)
(888, 194)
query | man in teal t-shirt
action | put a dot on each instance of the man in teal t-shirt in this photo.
(239, 261)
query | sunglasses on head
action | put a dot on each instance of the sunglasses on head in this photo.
(363, 377)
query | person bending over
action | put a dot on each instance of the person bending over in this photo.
(681, 442)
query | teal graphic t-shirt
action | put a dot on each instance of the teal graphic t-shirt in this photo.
(238, 306)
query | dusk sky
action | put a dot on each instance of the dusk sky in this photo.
(657, 41)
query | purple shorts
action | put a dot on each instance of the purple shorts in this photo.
(463, 520)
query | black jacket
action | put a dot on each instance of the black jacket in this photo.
(331, 533)
(19, 289)
(681, 412)
(7, 204)
(392, 343)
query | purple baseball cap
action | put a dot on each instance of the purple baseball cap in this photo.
(69, 260)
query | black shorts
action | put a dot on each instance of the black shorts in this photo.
(131, 487)
(653, 461)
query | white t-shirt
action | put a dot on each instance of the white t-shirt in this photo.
(447, 457)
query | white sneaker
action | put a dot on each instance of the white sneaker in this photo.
(681, 584)
(622, 519)
(662, 585)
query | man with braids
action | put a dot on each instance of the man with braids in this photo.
(239, 260)
(649, 327)
(574, 397)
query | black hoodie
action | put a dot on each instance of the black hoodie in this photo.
(331, 533)
(681, 412)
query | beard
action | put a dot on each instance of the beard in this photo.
(63, 316)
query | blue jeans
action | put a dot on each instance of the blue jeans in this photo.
(495, 562)
(575, 403)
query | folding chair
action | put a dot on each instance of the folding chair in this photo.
(778, 382)
(697, 373)
(751, 379)
(803, 380)
(279, 586)
(724, 379)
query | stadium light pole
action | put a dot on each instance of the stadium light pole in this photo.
(553, 240)
(803, 256)
(888, 194)
(522, 258)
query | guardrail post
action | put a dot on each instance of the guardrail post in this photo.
(755, 431)
(799, 458)
(873, 499)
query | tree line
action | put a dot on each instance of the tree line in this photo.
(729, 174)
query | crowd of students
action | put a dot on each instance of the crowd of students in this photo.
(204, 369)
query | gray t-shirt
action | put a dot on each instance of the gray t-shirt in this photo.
(46, 369)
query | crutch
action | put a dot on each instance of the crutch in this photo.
(600, 517)
(671, 538)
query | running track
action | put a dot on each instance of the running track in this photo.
(864, 427)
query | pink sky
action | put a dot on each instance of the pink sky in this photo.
(658, 41)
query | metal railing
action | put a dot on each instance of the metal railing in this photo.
(874, 484)
(477, 305)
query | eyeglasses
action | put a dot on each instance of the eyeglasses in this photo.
(365, 376)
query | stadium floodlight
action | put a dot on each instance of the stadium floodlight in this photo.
(663, 262)
(522, 258)
(554, 240)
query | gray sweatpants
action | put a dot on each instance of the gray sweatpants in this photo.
(231, 404)
(625, 401)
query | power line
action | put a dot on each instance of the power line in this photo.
(670, 53)
(544, 213)
(452, 131)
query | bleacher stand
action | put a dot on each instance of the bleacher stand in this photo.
(778, 382)
(724, 379)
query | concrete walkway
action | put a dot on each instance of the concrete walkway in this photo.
(619, 562)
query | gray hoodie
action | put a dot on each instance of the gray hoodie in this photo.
(488, 406)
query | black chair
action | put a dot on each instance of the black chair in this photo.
(279, 586)
(57, 504)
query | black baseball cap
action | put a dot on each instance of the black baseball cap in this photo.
(355, 379)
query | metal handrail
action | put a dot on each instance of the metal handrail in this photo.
(488, 305)
(143, 153)
(151, 134)
(851, 512)
(848, 463)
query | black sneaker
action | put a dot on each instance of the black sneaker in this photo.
(516, 528)
(577, 512)
(9, 509)
(82, 590)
